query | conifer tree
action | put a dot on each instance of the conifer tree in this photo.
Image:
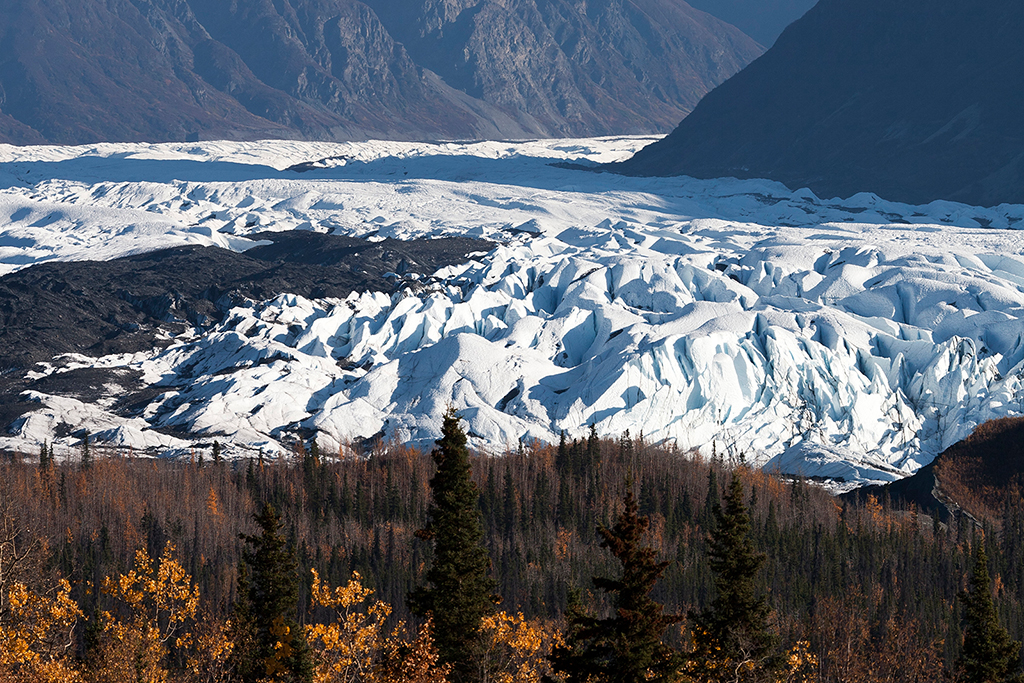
(626, 647)
(45, 459)
(459, 592)
(593, 449)
(733, 631)
(268, 590)
(562, 457)
(215, 454)
(86, 454)
(578, 658)
(311, 464)
(989, 656)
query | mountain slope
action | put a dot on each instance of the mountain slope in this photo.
(607, 66)
(75, 72)
(762, 20)
(912, 100)
(980, 475)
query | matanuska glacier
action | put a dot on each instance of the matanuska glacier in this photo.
(848, 339)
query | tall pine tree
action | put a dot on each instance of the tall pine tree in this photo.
(733, 631)
(626, 647)
(268, 592)
(459, 592)
(989, 656)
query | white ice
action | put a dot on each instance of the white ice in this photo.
(851, 339)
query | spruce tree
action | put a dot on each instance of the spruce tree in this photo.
(581, 655)
(45, 459)
(215, 454)
(989, 656)
(268, 592)
(626, 647)
(86, 453)
(733, 630)
(459, 592)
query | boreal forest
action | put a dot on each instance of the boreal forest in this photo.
(592, 560)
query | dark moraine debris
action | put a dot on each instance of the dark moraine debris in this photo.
(131, 304)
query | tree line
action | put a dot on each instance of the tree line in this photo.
(851, 592)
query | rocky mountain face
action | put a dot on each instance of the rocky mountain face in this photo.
(912, 100)
(79, 71)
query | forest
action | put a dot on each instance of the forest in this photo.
(595, 559)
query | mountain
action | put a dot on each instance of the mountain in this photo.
(82, 71)
(911, 100)
(762, 20)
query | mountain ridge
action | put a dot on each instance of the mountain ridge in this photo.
(156, 70)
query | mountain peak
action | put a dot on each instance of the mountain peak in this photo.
(911, 100)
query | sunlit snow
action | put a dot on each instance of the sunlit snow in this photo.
(852, 339)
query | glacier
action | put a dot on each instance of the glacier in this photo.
(849, 339)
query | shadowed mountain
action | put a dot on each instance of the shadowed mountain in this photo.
(911, 100)
(149, 70)
(762, 20)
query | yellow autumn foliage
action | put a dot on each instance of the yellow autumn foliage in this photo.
(210, 653)
(355, 647)
(37, 638)
(797, 665)
(515, 648)
(158, 601)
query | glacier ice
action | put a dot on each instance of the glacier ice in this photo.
(850, 339)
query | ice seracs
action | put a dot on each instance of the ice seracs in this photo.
(845, 339)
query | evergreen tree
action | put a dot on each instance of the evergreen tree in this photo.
(311, 464)
(733, 631)
(989, 656)
(45, 459)
(562, 457)
(459, 592)
(580, 656)
(215, 455)
(593, 449)
(86, 454)
(626, 647)
(268, 592)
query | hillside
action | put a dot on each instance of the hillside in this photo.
(75, 72)
(981, 475)
(873, 591)
(912, 100)
(762, 20)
